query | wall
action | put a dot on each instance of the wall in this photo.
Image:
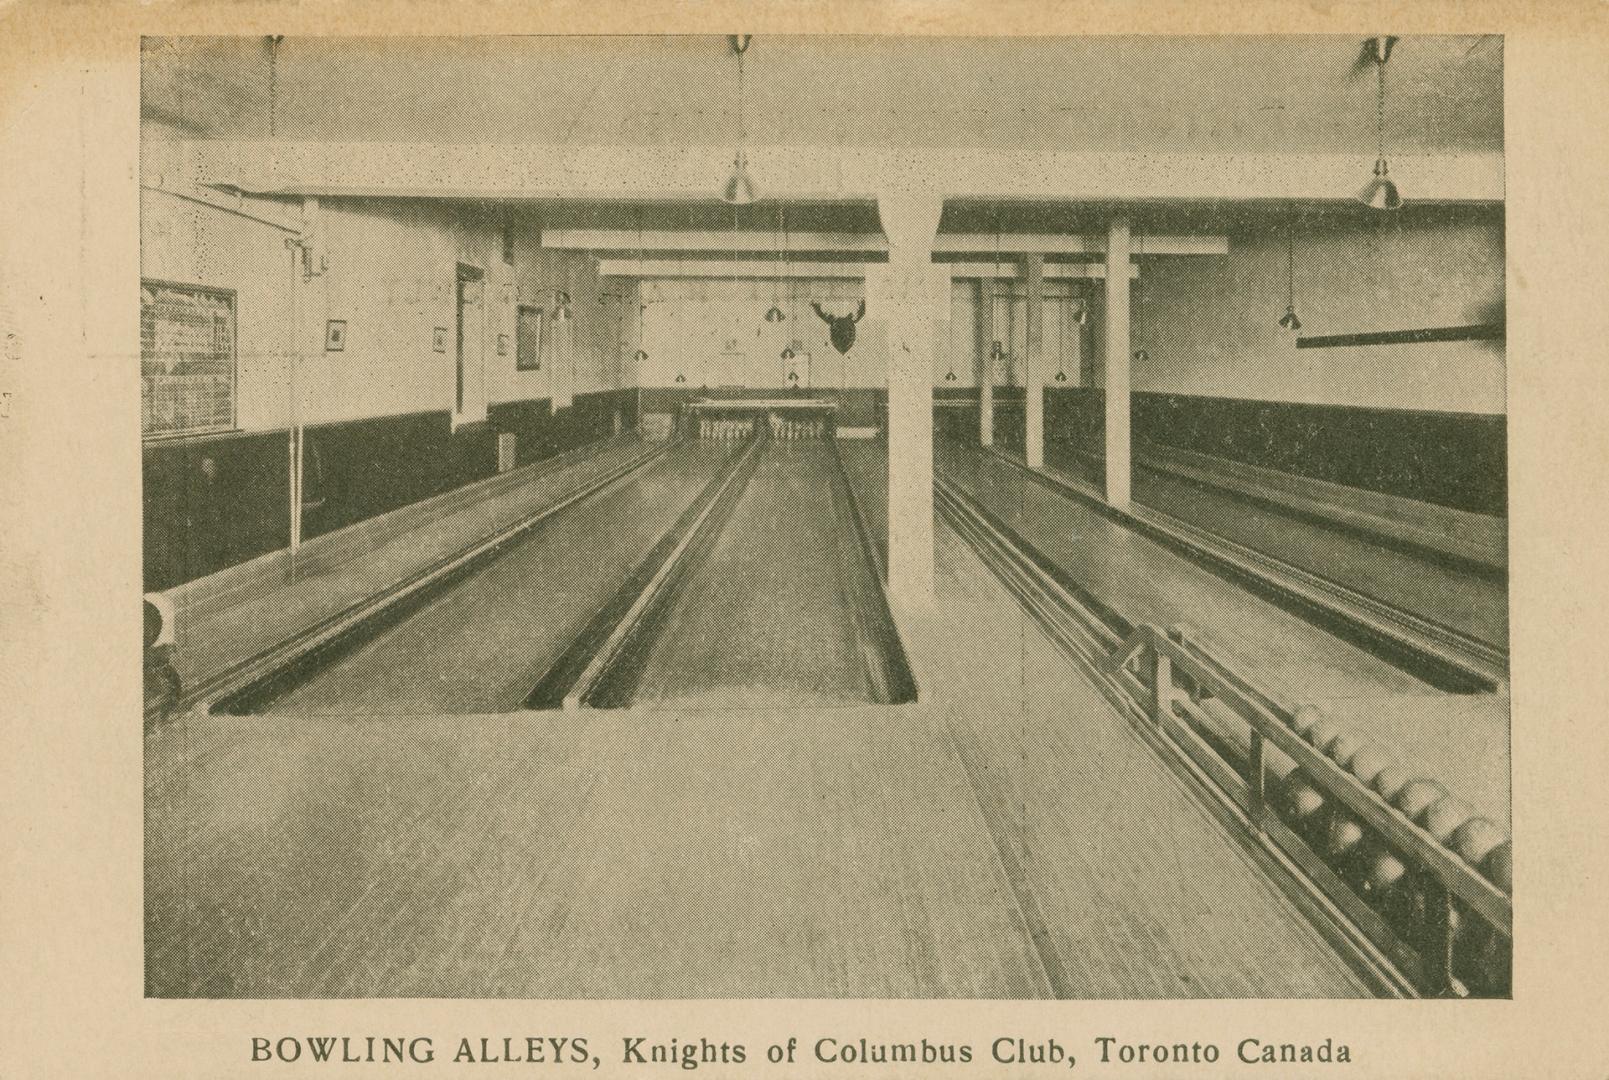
(382, 430)
(1210, 323)
(714, 333)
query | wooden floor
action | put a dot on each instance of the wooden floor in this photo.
(1007, 838)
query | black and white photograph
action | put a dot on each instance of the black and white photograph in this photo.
(956, 520)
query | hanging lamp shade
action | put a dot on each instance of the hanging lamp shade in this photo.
(642, 355)
(740, 189)
(1289, 321)
(1061, 376)
(996, 350)
(561, 307)
(1381, 191)
(788, 353)
(774, 315)
(680, 377)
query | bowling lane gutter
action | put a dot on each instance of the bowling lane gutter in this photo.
(887, 667)
(602, 665)
(251, 685)
(1438, 655)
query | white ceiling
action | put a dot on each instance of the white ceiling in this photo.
(1225, 95)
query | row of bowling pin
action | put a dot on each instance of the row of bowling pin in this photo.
(795, 429)
(724, 429)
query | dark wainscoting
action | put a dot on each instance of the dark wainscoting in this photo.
(1457, 460)
(354, 470)
(195, 524)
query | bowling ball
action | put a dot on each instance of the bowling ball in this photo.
(1343, 746)
(1385, 885)
(1303, 719)
(1322, 732)
(1417, 796)
(1442, 817)
(1368, 763)
(1390, 780)
(1342, 838)
(1302, 806)
(153, 623)
(1475, 839)
(1498, 866)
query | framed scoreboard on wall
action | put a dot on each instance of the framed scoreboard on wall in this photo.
(187, 359)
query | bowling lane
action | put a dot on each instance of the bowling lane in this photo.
(1173, 909)
(1468, 603)
(483, 644)
(866, 467)
(765, 617)
(1143, 581)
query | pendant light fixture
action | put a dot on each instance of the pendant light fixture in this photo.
(642, 303)
(680, 313)
(1289, 321)
(1061, 343)
(1381, 191)
(740, 189)
(996, 349)
(775, 314)
(561, 306)
(1141, 356)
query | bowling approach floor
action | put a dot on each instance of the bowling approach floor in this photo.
(1008, 836)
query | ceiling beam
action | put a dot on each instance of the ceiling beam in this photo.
(793, 173)
(755, 240)
(755, 269)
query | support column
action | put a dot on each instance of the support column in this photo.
(907, 293)
(986, 362)
(1033, 379)
(1117, 364)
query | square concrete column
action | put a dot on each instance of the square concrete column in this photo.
(911, 297)
(985, 361)
(1117, 364)
(1033, 380)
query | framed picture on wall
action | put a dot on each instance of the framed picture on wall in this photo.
(438, 340)
(335, 335)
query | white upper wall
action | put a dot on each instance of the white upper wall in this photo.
(1210, 324)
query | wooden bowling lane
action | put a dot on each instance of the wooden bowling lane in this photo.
(1143, 581)
(1131, 886)
(766, 617)
(483, 644)
(815, 853)
(1470, 604)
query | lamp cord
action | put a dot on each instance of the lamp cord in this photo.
(1380, 107)
(742, 122)
(1290, 264)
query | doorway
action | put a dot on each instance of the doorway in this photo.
(471, 329)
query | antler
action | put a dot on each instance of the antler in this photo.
(824, 316)
(860, 312)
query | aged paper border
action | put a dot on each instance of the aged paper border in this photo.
(70, 764)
